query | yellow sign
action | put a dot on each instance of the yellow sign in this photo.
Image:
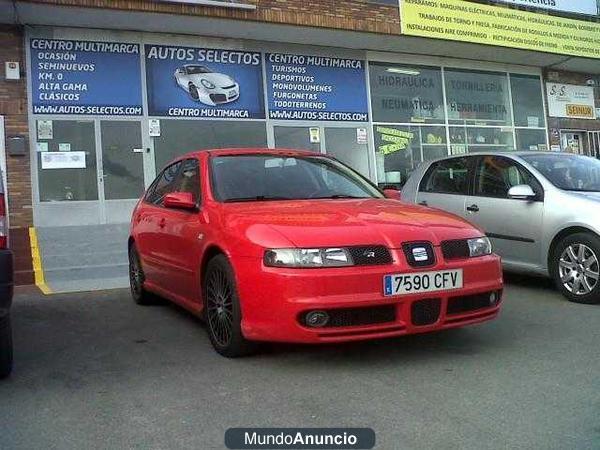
(397, 140)
(459, 20)
(580, 111)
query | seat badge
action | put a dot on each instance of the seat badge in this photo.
(420, 254)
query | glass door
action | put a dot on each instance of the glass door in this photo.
(350, 146)
(300, 138)
(122, 170)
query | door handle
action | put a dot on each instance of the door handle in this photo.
(423, 203)
(162, 222)
(473, 208)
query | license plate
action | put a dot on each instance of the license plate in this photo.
(415, 283)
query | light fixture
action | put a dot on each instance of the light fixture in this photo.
(403, 71)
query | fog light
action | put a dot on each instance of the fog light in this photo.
(316, 319)
(494, 298)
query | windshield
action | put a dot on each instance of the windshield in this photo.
(568, 172)
(270, 177)
(191, 70)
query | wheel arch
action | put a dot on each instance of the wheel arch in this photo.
(565, 232)
(210, 252)
(130, 242)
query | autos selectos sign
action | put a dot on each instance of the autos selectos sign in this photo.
(304, 87)
(84, 77)
(567, 100)
(571, 6)
(459, 20)
(204, 83)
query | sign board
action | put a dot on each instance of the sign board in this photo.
(222, 3)
(464, 21)
(570, 101)
(63, 160)
(204, 83)
(302, 87)
(85, 77)
(569, 6)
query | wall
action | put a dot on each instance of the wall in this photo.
(13, 106)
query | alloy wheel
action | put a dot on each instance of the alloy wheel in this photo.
(579, 269)
(136, 277)
(219, 304)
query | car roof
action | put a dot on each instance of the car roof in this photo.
(252, 151)
(518, 154)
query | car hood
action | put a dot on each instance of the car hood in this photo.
(218, 79)
(321, 223)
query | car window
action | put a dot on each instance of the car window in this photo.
(163, 184)
(567, 171)
(447, 177)
(273, 177)
(495, 176)
(188, 179)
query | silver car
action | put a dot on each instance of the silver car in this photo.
(541, 210)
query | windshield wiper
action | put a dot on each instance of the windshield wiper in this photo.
(337, 196)
(257, 198)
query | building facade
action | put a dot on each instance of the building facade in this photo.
(99, 95)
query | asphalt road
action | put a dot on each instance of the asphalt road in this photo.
(94, 370)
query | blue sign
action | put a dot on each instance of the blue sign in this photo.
(84, 77)
(316, 88)
(204, 83)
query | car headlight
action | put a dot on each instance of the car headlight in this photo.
(479, 247)
(207, 84)
(308, 257)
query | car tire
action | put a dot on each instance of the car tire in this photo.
(193, 90)
(222, 310)
(6, 347)
(575, 268)
(136, 279)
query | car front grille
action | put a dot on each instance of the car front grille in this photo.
(218, 98)
(457, 249)
(370, 255)
(352, 317)
(468, 303)
(426, 312)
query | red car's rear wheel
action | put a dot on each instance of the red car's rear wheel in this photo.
(222, 308)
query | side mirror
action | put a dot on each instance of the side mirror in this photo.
(180, 200)
(392, 192)
(521, 192)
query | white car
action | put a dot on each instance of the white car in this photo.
(206, 86)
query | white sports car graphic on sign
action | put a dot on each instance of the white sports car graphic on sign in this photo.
(206, 86)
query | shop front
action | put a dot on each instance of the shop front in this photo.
(107, 114)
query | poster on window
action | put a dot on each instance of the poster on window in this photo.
(570, 101)
(204, 83)
(302, 87)
(85, 77)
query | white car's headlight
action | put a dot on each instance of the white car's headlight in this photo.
(479, 247)
(207, 84)
(308, 257)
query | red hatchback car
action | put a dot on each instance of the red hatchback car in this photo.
(292, 246)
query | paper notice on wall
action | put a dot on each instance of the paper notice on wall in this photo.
(42, 146)
(361, 136)
(154, 127)
(315, 135)
(63, 160)
(64, 147)
(44, 129)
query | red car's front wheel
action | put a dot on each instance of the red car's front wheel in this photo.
(222, 309)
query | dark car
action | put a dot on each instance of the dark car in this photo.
(6, 291)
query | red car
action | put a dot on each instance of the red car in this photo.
(292, 246)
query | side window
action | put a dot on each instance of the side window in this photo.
(447, 177)
(189, 179)
(163, 184)
(495, 176)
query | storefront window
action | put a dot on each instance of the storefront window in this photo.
(527, 101)
(406, 94)
(399, 149)
(66, 152)
(489, 139)
(182, 136)
(477, 98)
(531, 140)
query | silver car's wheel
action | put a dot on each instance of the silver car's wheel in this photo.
(578, 269)
(575, 267)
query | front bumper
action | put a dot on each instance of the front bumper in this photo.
(275, 300)
(6, 281)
